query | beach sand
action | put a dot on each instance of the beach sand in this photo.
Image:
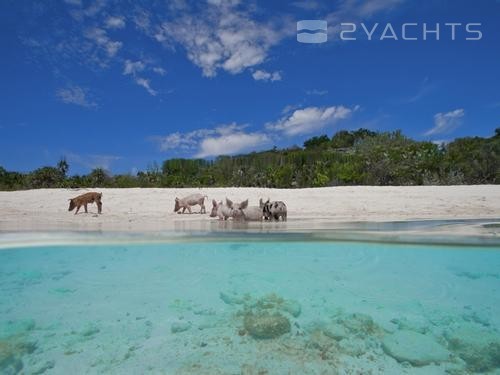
(140, 209)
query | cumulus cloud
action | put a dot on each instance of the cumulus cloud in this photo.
(310, 119)
(234, 138)
(82, 39)
(446, 122)
(159, 70)
(223, 140)
(79, 12)
(317, 92)
(262, 75)
(75, 95)
(146, 84)
(223, 36)
(102, 40)
(230, 144)
(133, 67)
(115, 22)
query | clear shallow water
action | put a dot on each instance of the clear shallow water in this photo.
(251, 308)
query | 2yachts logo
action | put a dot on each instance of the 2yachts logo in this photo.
(315, 31)
(312, 31)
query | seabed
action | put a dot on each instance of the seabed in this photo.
(378, 298)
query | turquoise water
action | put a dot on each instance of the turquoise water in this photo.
(246, 307)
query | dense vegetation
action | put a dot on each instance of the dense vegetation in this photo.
(360, 157)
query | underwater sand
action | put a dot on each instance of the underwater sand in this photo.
(247, 307)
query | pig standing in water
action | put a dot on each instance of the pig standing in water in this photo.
(241, 211)
(191, 200)
(273, 210)
(220, 210)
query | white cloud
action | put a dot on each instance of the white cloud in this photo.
(159, 70)
(80, 12)
(231, 144)
(133, 67)
(446, 122)
(233, 138)
(77, 43)
(262, 75)
(102, 40)
(310, 119)
(115, 22)
(146, 84)
(317, 92)
(142, 21)
(75, 95)
(113, 47)
(183, 141)
(177, 5)
(223, 140)
(221, 37)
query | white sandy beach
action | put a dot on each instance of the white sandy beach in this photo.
(152, 209)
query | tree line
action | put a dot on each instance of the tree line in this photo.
(360, 157)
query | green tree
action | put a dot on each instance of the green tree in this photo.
(349, 158)
(98, 177)
(316, 142)
(343, 139)
(45, 177)
(63, 166)
(476, 160)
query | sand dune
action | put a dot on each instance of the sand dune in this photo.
(152, 209)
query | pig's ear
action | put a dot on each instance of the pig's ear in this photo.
(229, 203)
(214, 202)
(244, 204)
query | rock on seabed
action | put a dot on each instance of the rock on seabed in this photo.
(266, 326)
(413, 347)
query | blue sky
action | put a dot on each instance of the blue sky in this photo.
(121, 84)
